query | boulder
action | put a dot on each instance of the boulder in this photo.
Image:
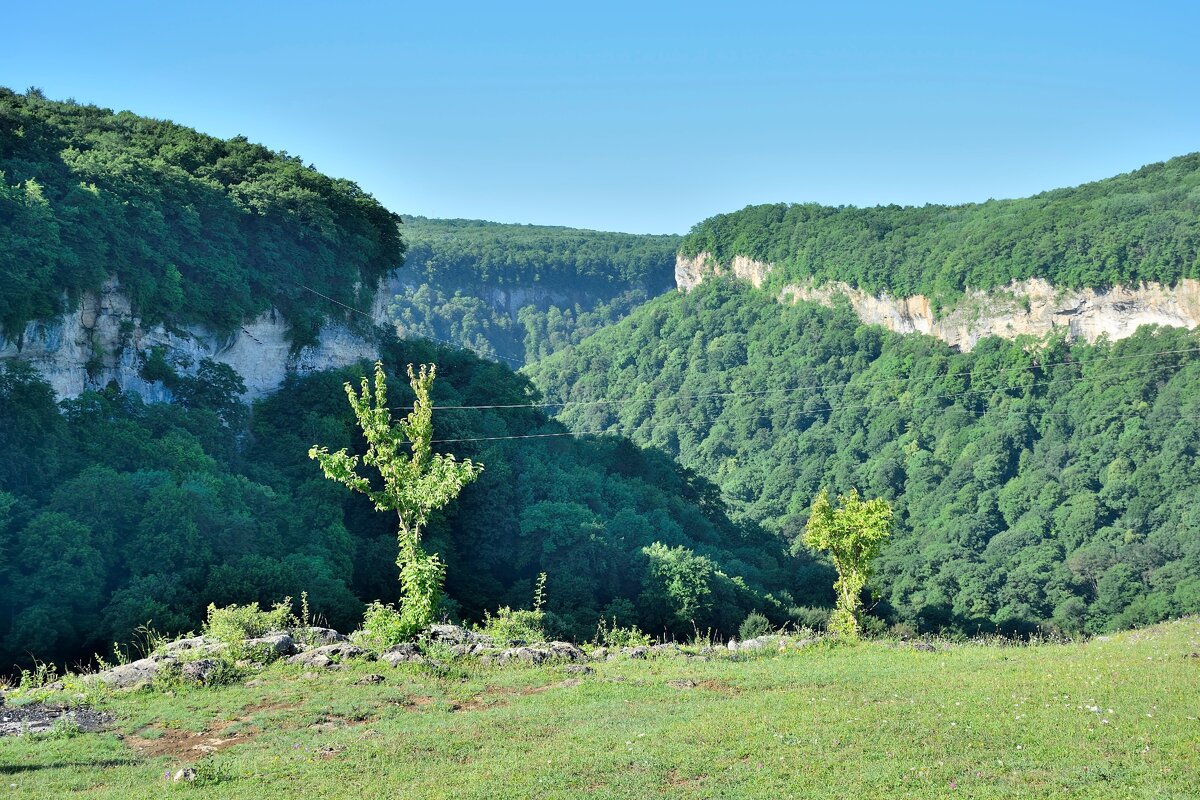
(281, 644)
(329, 655)
(406, 653)
(200, 671)
(473, 650)
(578, 669)
(455, 634)
(526, 655)
(134, 673)
(194, 643)
(566, 651)
(320, 636)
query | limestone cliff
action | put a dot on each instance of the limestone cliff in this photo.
(102, 341)
(1026, 307)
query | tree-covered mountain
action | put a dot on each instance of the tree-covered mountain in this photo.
(115, 513)
(521, 292)
(1034, 482)
(197, 229)
(1141, 226)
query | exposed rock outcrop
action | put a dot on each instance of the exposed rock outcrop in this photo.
(102, 340)
(1032, 306)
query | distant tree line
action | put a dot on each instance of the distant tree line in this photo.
(521, 292)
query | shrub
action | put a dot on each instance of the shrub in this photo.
(518, 625)
(616, 636)
(384, 626)
(753, 626)
(234, 624)
(809, 617)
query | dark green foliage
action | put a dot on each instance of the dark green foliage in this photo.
(197, 229)
(114, 513)
(753, 626)
(1141, 226)
(523, 291)
(1027, 491)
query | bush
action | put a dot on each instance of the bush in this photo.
(234, 624)
(384, 626)
(515, 626)
(753, 626)
(809, 617)
(616, 636)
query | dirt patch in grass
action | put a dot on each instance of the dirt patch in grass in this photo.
(187, 745)
(678, 782)
(719, 686)
(266, 705)
(497, 696)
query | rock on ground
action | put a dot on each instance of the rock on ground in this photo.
(281, 643)
(40, 718)
(329, 655)
(134, 673)
(201, 670)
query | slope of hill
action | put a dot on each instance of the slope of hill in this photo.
(1100, 719)
(521, 292)
(115, 513)
(195, 229)
(1035, 482)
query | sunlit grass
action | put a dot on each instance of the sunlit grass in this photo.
(1115, 717)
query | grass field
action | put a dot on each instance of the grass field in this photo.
(1115, 717)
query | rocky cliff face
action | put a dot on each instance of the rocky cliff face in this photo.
(102, 340)
(1027, 307)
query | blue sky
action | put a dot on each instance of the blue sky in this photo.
(645, 117)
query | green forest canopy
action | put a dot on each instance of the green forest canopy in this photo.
(114, 513)
(1140, 226)
(197, 229)
(1033, 482)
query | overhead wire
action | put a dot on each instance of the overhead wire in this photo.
(900, 402)
(970, 376)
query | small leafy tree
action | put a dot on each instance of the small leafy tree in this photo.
(416, 482)
(853, 533)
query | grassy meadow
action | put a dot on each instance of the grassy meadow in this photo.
(1114, 717)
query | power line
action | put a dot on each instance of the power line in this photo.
(822, 411)
(971, 376)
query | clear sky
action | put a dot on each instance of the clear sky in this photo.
(645, 117)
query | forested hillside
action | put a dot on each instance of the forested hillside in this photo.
(114, 513)
(197, 229)
(1141, 226)
(523, 291)
(1034, 483)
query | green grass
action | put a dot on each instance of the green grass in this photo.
(865, 721)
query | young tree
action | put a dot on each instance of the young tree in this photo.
(853, 533)
(416, 481)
